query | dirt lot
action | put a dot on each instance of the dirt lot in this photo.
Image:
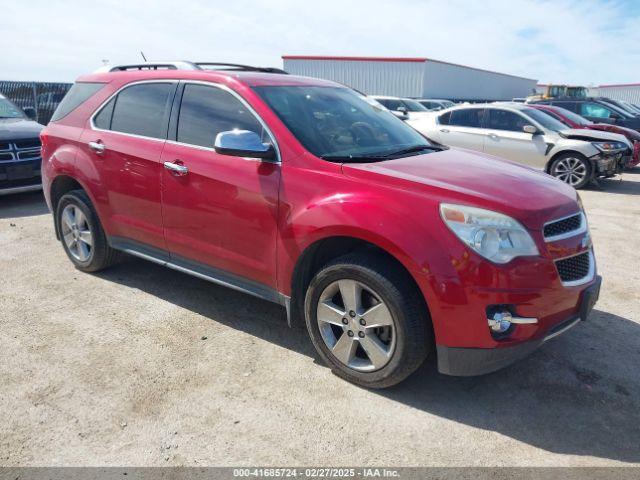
(112, 369)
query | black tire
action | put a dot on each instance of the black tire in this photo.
(101, 255)
(583, 165)
(413, 337)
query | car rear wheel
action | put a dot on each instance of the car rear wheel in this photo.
(367, 320)
(81, 234)
(572, 168)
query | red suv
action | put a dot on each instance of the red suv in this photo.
(306, 193)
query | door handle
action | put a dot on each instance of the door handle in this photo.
(97, 147)
(176, 168)
(493, 136)
(444, 130)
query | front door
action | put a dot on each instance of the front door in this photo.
(506, 138)
(220, 211)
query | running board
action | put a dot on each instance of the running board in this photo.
(204, 272)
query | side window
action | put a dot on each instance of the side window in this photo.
(571, 106)
(467, 117)
(505, 120)
(594, 110)
(143, 109)
(103, 119)
(79, 93)
(391, 104)
(206, 111)
(444, 118)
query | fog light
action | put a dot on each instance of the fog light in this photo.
(500, 322)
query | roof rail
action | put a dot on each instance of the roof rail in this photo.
(181, 65)
(238, 67)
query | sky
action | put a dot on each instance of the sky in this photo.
(584, 42)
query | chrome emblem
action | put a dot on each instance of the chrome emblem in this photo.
(586, 241)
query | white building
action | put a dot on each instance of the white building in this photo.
(629, 92)
(412, 77)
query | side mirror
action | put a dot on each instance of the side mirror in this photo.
(402, 109)
(530, 129)
(30, 112)
(615, 116)
(400, 115)
(243, 143)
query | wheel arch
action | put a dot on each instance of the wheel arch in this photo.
(560, 153)
(60, 186)
(326, 249)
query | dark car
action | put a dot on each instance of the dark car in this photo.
(596, 110)
(574, 120)
(19, 150)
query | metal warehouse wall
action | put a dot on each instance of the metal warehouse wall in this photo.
(457, 82)
(403, 79)
(43, 96)
(629, 93)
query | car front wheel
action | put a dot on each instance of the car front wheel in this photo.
(572, 168)
(367, 320)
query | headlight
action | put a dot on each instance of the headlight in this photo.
(609, 146)
(495, 236)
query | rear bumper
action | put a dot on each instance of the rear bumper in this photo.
(479, 361)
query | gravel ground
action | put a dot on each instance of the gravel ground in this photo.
(141, 365)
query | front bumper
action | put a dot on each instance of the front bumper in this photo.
(478, 361)
(609, 163)
(21, 175)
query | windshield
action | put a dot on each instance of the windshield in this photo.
(339, 124)
(574, 117)
(414, 106)
(544, 119)
(620, 111)
(9, 110)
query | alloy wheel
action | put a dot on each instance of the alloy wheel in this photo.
(570, 170)
(76, 233)
(356, 325)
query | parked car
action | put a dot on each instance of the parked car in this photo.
(402, 107)
(520, 133)
(19, 150)
(573, 120)
(596, 110)
(303, 192)
(627, 107)
(435, 104)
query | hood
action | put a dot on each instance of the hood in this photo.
(462, 176)
(19, 128)
(631, 135)
(589, 135)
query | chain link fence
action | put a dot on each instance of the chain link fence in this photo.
(43, 97)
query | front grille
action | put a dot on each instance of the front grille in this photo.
(20, 150)
(562, 226)
(574, 268)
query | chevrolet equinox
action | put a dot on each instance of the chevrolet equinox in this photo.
(306, 193)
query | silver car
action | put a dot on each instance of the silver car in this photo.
(525, 135)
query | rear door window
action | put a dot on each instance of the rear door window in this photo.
(206, 111)
(571, 106)
(143, 109)
(76, 96)
(467, 117)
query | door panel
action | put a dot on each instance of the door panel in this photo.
(463, 128)
(223, 211)
(518, 147)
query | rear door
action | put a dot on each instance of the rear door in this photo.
(125, 141)
(462, 128)
(506, 138)
(221, 213)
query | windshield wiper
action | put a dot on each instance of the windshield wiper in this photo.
(383, 156)
(413, 149)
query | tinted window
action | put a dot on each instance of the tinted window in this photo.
(339, 124)
(413, 106)
(571, 106)
(142, 110)
(207, 111)
(391, 104)
(103, 119)
(544, 119)
(467, 117)
(77, 95)
(444, 118)
(594, 110)
(505, 120)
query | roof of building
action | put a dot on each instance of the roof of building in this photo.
(395, 59)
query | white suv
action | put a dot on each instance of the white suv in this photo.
(526, 135)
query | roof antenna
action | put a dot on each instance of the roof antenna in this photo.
(142, 53)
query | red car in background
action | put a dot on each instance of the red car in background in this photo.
(574, 120)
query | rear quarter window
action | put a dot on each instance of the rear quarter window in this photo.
(78, 94)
